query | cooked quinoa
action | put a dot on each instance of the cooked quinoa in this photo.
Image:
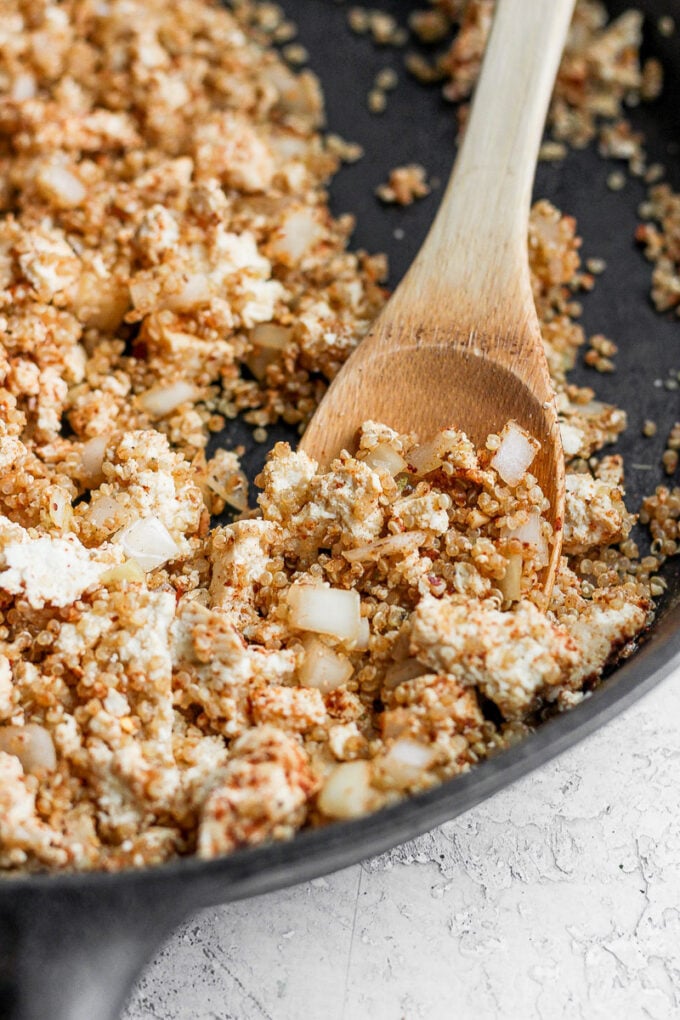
(601, 71)
(167, 260)
(660, 236)
(405, 185)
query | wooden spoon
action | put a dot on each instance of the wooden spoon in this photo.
(459, 343)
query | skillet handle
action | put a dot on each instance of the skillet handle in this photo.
(68, 953)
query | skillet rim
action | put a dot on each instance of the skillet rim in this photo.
(316, 852)
(311, 853)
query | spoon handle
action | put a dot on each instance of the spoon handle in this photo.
(475, 253)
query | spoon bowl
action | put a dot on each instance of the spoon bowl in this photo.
(459, 344)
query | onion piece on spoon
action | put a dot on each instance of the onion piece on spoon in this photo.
(384, 457)
(530, 533)
(514, 456)
(510, 584)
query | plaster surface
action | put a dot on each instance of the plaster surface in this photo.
(557, 898)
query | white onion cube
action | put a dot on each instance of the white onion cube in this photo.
(31, 744)
(511, 583)
(427, 457)
(148, 542)
(322, 667)
(92, 458)
(347, 793)
(195, 291)
(361, 643)
(530, 533)
(271, 335)
(331, 611)
(105, 512)
(514, 456)
(406, 761)
(61, 185)
(163, 400)
(384, 457)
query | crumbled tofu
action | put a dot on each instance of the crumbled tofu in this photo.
(659, 234)
(602, 630)
(49, 571)
(595, 513)
(600, 74)
(262, 793)
(513, 658)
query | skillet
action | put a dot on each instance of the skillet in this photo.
(71, 945)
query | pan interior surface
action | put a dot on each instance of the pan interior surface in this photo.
(419, 126)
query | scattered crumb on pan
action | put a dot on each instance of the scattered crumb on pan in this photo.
(404, 185)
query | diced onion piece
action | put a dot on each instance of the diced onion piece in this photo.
(61, 186)
(391, 545)
(448, 445)
(268, 339)
(298, 94)
(92, 459)
(143, 292)
(148, 542)
(31, 744)
(530, 534)
(271, 335)
(299, 230)
(510, 584)
(236, 492)
(514, 456)
(23, 87)
(400, 672)
(289, 146)
(322, 667)
(384, 457)
(197, 290)
(163, 400)
(406, 761)
(258, 362)
(427, 457)
(128, 571)
(60, 509)
(331, 611)
(232, 488)
(105, 512)
(347, 792)
(361, 643)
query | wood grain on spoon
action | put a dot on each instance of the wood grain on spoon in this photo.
(459, 343)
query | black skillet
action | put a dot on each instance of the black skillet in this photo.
(71, 945)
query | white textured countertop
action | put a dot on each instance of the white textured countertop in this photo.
(558, 898)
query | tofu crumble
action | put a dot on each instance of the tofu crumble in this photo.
(168, 261)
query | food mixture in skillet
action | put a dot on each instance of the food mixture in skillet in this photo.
(365, 633)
